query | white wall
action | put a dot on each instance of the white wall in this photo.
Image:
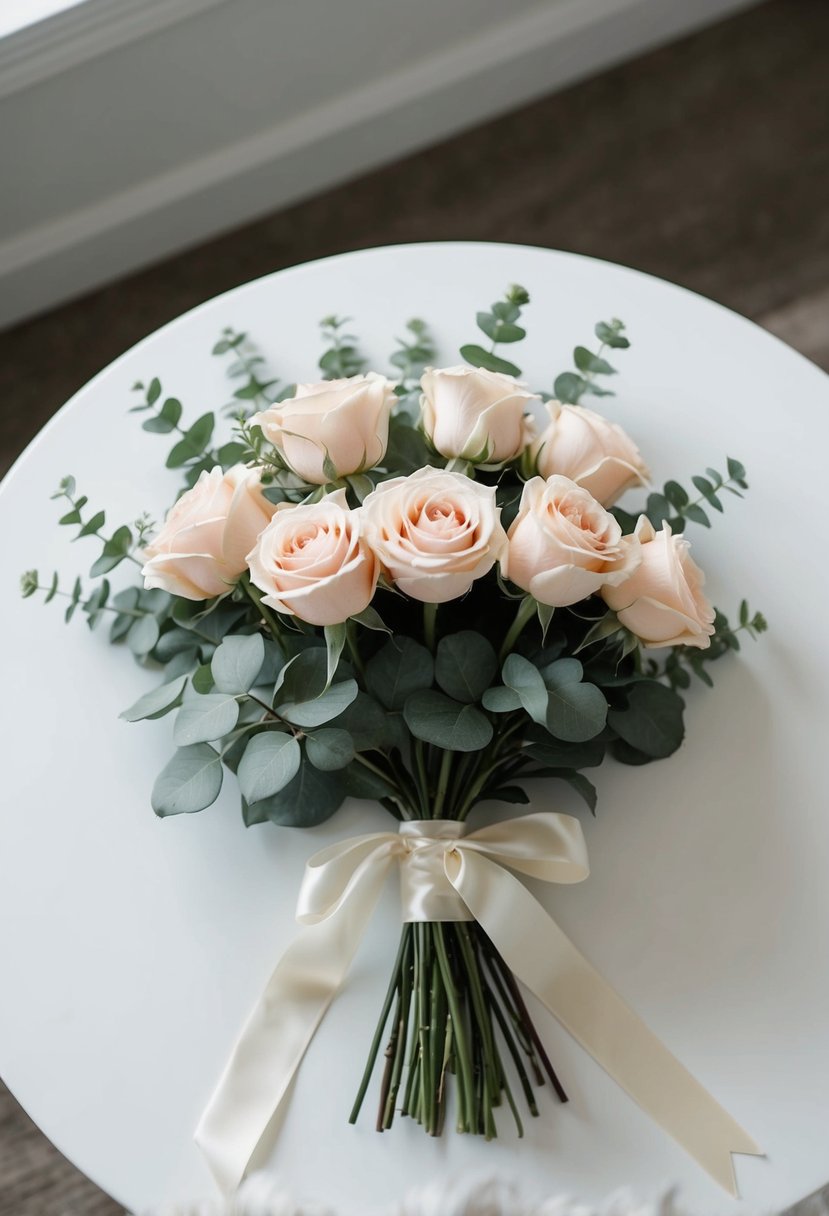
(128, 132)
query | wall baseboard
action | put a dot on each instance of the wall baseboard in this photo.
(450, 90)
(94, 27)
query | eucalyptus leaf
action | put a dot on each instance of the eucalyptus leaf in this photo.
(203, 718)
(465, 665)
(142, 635)
(448, 724)
(330, 749)
(400, 667)
(190, 782)
(524, 678)
(334, 642)
(237, 662)
(365, 721)
(653, 721)
(312, 797)
(270, 762)
(156, 703)
(576, 712)
(501, 700)
(320, 709)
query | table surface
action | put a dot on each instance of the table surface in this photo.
(143, 943)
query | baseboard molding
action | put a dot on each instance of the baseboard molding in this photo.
(434, 98)
(95, 27)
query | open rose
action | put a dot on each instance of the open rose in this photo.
(474, 414)
(202, 546)
(312, 562)
(587, 448)
(663, 602)
(434, 532)
(563, 545)
(332, 428)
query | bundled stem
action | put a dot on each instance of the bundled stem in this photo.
(453, 1007)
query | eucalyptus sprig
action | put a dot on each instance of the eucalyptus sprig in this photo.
(684, 661)
(675, 506)
(253, 393)
(115, 548)
(499, 325)
(413, 355)
(341, 358)
(191, 451)
(570, 387)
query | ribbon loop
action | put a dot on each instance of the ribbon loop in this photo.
(450, 874)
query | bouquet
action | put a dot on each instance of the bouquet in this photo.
(413, 588)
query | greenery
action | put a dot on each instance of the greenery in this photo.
(499, 324)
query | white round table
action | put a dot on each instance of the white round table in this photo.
(132, 948)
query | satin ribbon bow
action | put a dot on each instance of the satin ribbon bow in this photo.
(449, 874)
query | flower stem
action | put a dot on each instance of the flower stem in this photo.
(430, 612)
(255, 596)
(526, 609)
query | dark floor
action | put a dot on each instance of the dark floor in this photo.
(706, 162)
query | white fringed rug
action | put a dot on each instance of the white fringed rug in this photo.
(263, 1195)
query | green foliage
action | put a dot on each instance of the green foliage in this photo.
(499, 325)
(206, 717)
(652, 721)
(157, 703)
(341, 358)
(309, 799)
(446, 723)
(191, 450)
(114, 548)
(271, 760)
(676, 506)
(570, 387)
(330, 749)
(190, 782)
(253, 392)
(237, 662)
(401, 667)
(413, 355)
(465, 665)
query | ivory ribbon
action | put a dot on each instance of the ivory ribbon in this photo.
(447, 874)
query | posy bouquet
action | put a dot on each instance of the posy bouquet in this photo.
(414, 589)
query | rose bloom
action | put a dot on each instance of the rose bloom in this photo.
(563, 545)
(476, 415)
(663, 602)
(590, 450)
(346, 421)
(312, 562)
(202, 546)
(434, 532)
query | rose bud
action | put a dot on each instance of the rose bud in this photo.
(662, 602)
(590, 450)
(475, 415)
(312, 562)
(434, 532)
(563, 545)
(202, 546)
(332, 428)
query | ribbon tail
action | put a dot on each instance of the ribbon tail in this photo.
(544, 959)
(274, 1039)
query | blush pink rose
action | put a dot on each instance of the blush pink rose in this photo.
(590, 450)
(312, 562)
(202, 546)
(331, 428)
(563, 545)
(434, 532)
(475, 414)
(663, 601)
